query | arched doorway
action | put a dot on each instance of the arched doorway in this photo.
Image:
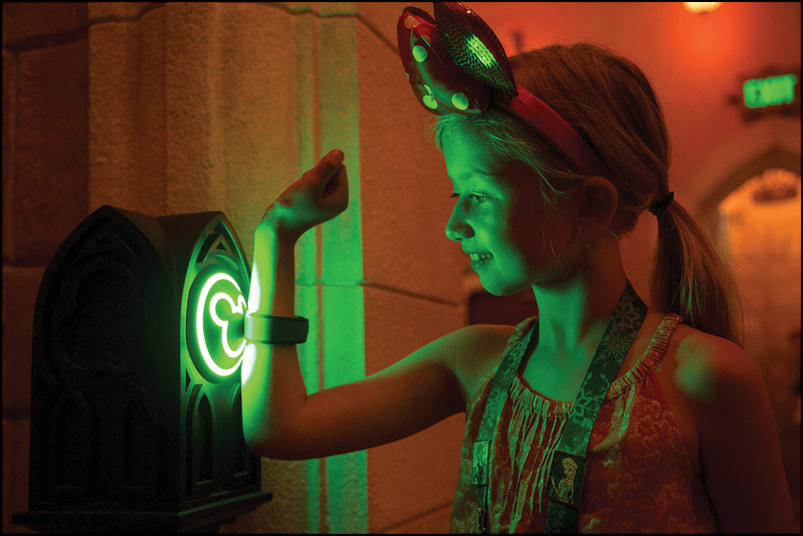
(759, 227)
(753, 214)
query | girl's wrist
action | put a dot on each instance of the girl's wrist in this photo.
(272, 228)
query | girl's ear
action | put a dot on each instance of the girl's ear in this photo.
(597, 200)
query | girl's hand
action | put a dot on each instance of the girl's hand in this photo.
(318, 196)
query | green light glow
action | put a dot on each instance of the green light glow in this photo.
(480, 51)
(346, 476)
(238, 308)
(344, 338)
(249, 360)
(763, 92)
(200, 316)
(429, 99)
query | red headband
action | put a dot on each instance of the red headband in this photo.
(484, 74)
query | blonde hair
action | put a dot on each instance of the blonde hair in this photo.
(610, 103)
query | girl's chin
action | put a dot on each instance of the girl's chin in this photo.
(501, 288)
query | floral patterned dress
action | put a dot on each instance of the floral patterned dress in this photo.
(639, 476)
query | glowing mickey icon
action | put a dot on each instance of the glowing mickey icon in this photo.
(235, 355)
(238, 308)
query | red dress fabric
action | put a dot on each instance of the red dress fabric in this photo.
(639, 476)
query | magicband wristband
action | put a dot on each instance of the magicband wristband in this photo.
(456, 64)
(277, 330)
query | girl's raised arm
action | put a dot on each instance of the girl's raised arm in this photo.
(279, 419)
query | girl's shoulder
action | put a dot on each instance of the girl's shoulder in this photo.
(484, 346)
(699, 363)
(705, 363)
(725, 395)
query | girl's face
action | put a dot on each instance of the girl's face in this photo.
(499, 214)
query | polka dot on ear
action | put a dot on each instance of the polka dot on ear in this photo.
(410, 22)
(460, 101)
(429, 100)
(419, 53)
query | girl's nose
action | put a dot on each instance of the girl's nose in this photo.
(456, 228)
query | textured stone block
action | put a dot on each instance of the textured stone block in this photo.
(253, 148)
(26, 21)
(118, 10)
(419, 473)
(298, 7)
(20, 286)
(436, 522)
(127, 99)
(16, 434)
(193, 114)
(413, 476)
(381, 17)
(9, 114)
(329, 9)
(344, 362)
(397, 325)
(49, 182)
(405, 189)
(294, 508)
(340, 109)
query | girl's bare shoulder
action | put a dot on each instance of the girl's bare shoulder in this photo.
(705, 362)
(483, 346)
(725, 395)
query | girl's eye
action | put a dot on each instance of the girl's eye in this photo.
(474, 197)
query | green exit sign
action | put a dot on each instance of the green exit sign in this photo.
(769, 92)
(773, 91)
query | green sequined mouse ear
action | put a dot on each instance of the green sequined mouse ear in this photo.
(474, 46)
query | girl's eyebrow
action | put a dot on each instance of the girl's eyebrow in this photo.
(486, 181)
(479, 174)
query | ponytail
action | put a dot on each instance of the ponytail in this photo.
(609, 101)
(689, 278)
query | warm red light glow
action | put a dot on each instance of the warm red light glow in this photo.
(701, 7)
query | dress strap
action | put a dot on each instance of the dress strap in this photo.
(569, 462)
(652, 356)
(523, 338)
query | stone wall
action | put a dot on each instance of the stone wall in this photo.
(45, 193)
(169, 108)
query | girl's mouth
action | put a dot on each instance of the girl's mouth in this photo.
(480, 260)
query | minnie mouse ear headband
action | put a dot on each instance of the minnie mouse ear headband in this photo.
(456, 64)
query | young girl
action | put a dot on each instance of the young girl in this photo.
(682, 437)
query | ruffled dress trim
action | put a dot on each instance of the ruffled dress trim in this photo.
(531, 401)
(553, 414)
(636, 442)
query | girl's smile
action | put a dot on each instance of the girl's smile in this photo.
(499, 218)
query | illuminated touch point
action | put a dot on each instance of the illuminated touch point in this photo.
(239, 308)
(410, 22)
(460, 101)
(429, 99)
(419, 53)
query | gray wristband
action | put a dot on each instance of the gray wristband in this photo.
(277, 330)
